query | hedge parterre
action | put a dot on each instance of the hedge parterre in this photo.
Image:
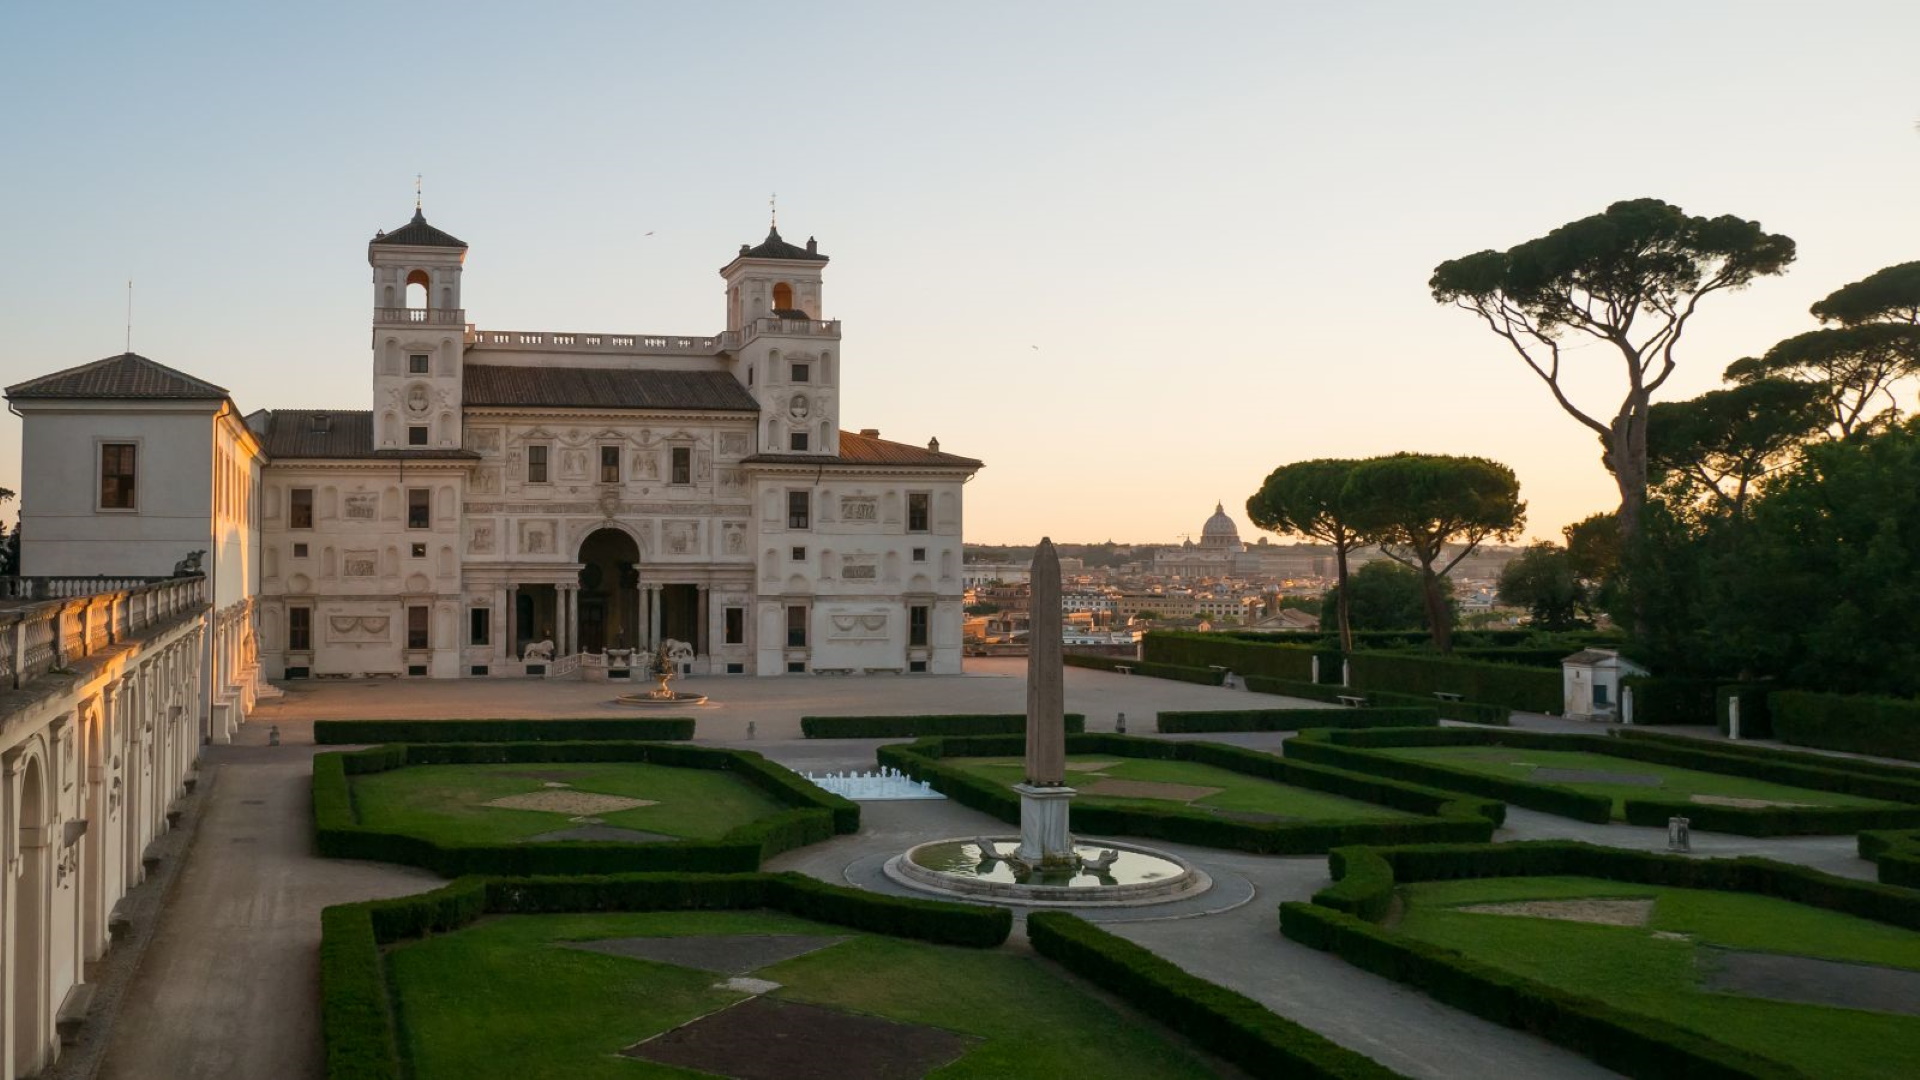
(915, 727)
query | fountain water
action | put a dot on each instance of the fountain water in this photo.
(663, 666)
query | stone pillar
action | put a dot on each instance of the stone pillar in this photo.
(497, 624)
(512, 636)
(701, 632)
(569, 632)
(653, 616)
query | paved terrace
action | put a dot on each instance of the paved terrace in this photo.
(229, 987)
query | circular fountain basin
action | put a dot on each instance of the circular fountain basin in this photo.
(1139, 875)
(648, 700)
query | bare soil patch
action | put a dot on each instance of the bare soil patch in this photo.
(764, 1038)
(1805, 980)
(567, 801)
(1609, 912)
(1090, 766)
(1150, 789)
(561, 775)
(723, 954)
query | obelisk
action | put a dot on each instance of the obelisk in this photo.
(1044, 838)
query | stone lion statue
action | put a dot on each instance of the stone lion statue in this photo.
(678, 652)
(539, 652)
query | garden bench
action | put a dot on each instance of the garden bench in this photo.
(1444, 696)
(1124, 669)
(1352, 701)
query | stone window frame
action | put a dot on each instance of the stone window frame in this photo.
(733, 625)
(100, 445)
(303, 609)
(610, 456)
(546, 462)
(425, 629)
(425, 366)
(292, 503)
(926, 505)
(678, 455)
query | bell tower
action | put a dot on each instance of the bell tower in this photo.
(419, 330)
(788, 353)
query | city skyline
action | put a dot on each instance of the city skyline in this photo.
(1147, 258)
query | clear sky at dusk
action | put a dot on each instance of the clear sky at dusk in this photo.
(1131, 255)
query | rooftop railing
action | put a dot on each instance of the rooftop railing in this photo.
(66, 619)
(657, 344)
(429, 316)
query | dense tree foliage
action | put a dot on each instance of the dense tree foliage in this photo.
(1628, 280)
(1417, 505)
(1714, 449)
(1542, 580)
(1384, 595)
(1309, 498)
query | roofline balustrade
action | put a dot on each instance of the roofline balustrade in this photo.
(659, 344)
(77, 617)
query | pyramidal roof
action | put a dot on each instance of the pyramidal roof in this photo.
(128, 375)
(417, 233)
(775, 248)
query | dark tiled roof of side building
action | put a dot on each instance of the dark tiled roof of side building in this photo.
(604, 388)
(856, 449)
(418, 233)
(335, 434)
(775, 248)
(128, 375)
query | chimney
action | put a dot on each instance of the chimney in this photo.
(933, 445)
(813, 246)
(870, 432)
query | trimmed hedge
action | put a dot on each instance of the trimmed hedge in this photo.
(1834, 762)
(357, 1014)
(914, 727)
(1240, 655)
(599, 729)
(1516, 687)
(1341, 920)
(1756, 718)
(1887, 727)
(1448, 816)
(1353, 750)
(1228, 1024)
(816, 814)
(1295, 719)
(1667, 701)
(1896, 853)
(1329, 693)
(1202, 675)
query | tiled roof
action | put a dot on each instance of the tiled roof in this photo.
(775, 248)
(869, 450)
(345, 433)
(605, 388)
(419, 234)
(128, 375)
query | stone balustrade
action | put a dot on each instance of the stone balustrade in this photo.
(67, 619)
(429, 316)
(654, 344)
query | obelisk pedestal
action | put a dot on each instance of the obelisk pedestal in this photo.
(1044, 837)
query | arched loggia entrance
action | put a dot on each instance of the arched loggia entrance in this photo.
(28, 939)
(609, 592)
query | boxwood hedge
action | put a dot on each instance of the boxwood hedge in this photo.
(1660, 700)
(1203, 675)
(914, 727)
(1756, 715)
(814, 816)
(1445, 816)
(1887, 727)
(1230, 1025)
(1263, 657)
(1341, 919)
(1296, 719)
(1896, 853)
(559, 729)
(357, 1013)
(1476, 712)
(1526, 688)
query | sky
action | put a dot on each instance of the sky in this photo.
(1133, 256)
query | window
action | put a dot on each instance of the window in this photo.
(416, 434)
(797, 509)
(300, 508)
(479, 626)
(919, 514)
(682, 465)
(749, 374)
(417, 364)
(798, 554)
(419, 508)
(802, 372)
(116, 476)
(797, 627)
(797, 440)
(917, 625)
(1600, 693)
(609, 464)
(536, 464)
(419, 551)
(919, 554)
(736, 627)
(417, 627)
(299, 551)
(300, 629)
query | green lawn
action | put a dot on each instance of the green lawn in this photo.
(1630, 968)
(1511, 763)
(1239, 792)
(501, 999)
(445, 802)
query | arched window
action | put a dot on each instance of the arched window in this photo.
(783, 297)
(418, 279)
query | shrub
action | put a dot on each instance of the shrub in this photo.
(624, 729)
(355, 1014)
(816, 814)
(1658, 700)
(1261, 684)
(1296, 719)
(914, 727)
(1228, 1024)
(1887, 727)
(1756, 719)
(1203, 675)
(1896, 853)
(1516, 687)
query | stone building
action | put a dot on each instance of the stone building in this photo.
(510, 488)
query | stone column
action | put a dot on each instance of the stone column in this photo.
(569, 610)
(497, 624)
(1044, 836)
(512, 636)
(703, 634)
(653, 616)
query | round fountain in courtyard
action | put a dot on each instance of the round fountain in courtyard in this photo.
(662, 666)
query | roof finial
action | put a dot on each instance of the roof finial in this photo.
(773, 211)
(416, 193)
